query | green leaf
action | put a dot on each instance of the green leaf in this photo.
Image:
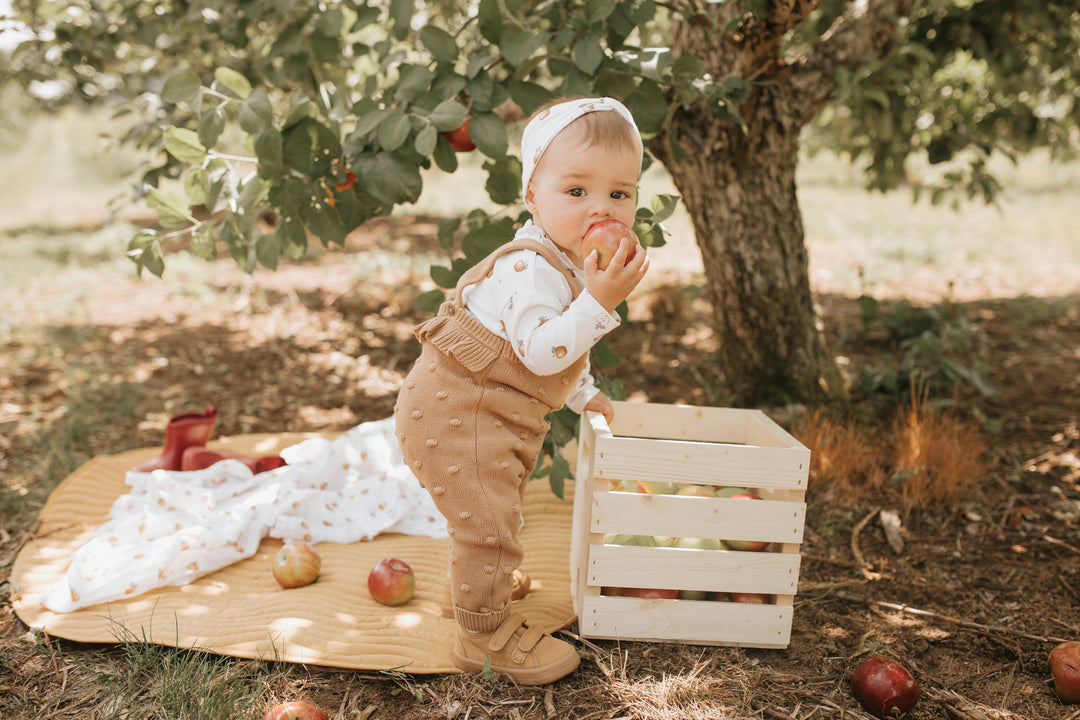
(256, 114)
(603, 356)
(145, 252)
(172, 208)
(480, 242)
(426, 141)
(324, 222)
(233, 81)
(311, 148)
(448, 227)
(389, 178)
(519, 46)
(393, 131)
(489, 17)
(448, 115)
(211, 125)
(197, 185)
(268, 250)
(439, 43)
(445, 277)
(649, 107)
(663, 206)
(488, 131)
(529, 96)
(401, 12)
(184, 145)
(269, 152)
(504, 180)
(735, 90)
(430, 301)
(183, 87)
(588, 53)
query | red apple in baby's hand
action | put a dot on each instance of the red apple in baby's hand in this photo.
(294, 711)
(296, 564)
(459, 137)
(1065, 667)
(391, 582)
(604, 238)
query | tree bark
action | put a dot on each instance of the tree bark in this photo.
(739, 188)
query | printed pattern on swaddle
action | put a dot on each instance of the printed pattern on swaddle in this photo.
(175, 527)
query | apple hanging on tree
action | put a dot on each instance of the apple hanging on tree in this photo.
(604, 237)
(459, 137)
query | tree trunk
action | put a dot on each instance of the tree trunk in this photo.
(741, 196)
(739, 190)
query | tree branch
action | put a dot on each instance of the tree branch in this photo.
(862, 31)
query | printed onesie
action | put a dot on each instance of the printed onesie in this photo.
(471, 421)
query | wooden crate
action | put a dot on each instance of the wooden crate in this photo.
(687, 445)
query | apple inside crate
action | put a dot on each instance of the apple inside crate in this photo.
(707, 457)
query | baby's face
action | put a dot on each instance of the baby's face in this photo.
(577, 184)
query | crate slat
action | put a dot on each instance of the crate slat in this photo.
(697, 517)
(691, 569)
(687, 621)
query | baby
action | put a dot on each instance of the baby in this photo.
(510, 348)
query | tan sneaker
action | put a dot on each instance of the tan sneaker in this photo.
(519, 649)
(522, 585)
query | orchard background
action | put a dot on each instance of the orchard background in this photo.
(955, 329)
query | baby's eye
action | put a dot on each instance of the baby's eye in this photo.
(576, 192)
(620, 195)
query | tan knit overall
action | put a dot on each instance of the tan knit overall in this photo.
(471, 420)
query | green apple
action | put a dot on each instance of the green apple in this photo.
(700, 544)
(622, 539)
(729, 490)
(698, 490)
(660, 487)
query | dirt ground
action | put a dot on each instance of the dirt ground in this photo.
(973, 603)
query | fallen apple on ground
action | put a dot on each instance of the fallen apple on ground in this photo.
(1065, 667)
(296, 564)
(604, 237)
(884, 687)
(391, 582)
(295, 710)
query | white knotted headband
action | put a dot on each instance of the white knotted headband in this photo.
(543, 128)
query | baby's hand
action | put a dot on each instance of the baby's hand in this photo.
(600, 403)
(613, 285)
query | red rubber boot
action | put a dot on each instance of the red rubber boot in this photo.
(183, 431)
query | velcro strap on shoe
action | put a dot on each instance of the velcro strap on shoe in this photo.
(532, 636)
(505, 631)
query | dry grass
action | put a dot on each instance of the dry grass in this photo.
(934, 456)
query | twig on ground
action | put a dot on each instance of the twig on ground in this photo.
(860, 561)
(1009, 685)
(977, 627)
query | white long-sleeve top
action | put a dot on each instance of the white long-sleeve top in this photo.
(528, 302)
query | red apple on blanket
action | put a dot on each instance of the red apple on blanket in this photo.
(391, 582)
(604, 238)
(295, 711)
(296, 564)
(1065, 667)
